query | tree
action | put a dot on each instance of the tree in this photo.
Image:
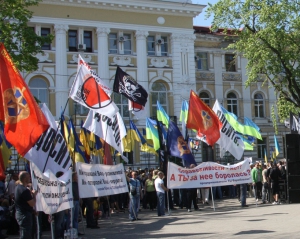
(268, 34)
(20, 41)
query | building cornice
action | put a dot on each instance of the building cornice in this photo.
(175, 7)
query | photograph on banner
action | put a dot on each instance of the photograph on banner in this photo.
(208, 174)
(54, 194)
(96, 180)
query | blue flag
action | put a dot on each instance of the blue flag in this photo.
(178, 147)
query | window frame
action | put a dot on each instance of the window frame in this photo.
(160, 95)
(232, 103)
(230, 63)
(38, 89)
(259, 106)
(206, 100)
(73, 47)
(46, 46)
(88, 41)
(122, 103)
(202, 61)
(261, 147)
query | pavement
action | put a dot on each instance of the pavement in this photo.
(227, 220)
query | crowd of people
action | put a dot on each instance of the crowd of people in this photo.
(147, 191)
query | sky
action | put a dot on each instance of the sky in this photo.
(200, 20)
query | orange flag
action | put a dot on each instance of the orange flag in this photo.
(203, 119)
(24, 121)
(107, 159)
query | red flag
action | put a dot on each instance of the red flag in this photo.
(203, 119)
(107, 159)
(2, 168)
(24, 121)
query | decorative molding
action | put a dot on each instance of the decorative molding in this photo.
(231, 77)
(121, 61)
(102, 31)
(161, 20)
(159, 62)
(141, 35)
(205, 76)
(182, 37)
(61, 28)
(86, 57)
(43, 57)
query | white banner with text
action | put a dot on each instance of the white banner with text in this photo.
(208, 174)
(96, 180)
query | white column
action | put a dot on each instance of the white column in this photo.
(61, 70)
(142, 70)
(103, 65)
(218, 62)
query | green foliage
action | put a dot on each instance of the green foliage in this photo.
(20, 41)
(268, 33)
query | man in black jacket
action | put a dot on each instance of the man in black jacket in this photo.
(275, 175)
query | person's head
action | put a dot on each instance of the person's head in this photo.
(15, 176)
(155, 172)
(264, 166)
(133, 174)
(192, 166)
(160, 174)
(150, 176)
(74, 177)
(24, 178)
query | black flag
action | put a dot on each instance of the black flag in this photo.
(124, 84)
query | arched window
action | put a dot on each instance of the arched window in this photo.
(232, 103)
(205, 98)
(122, 103)
(259, 106)
(39, 89)
(159, 93)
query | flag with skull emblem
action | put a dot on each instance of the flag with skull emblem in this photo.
(124, 84)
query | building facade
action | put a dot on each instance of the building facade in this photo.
(153, 41)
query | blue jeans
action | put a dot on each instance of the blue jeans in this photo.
(59, 224)
(24, 220)
(217, 190)
(133, 206)
(160, 203)
(75, 214)
(243, 192)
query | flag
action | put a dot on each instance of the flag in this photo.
(136, 109)
(162, 115)
(50, 147)
(84, 139)
(112, 130)
(266, 158)
(23, 119)
(229, 139)
(124, 84)
(294, 124)
(178, 147)
(248, 141)
(251, 128)
(87, 91)
(203, 119)
(272, 153)
(107, 159)
(277, 148)
(78, 147)
(152, 133)
(183, 117)
(5, 154)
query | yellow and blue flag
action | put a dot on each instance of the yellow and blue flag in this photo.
(277, 148)
(266, 158)
(162, 115)
(152, 133)
(178, 147)
(184, 111)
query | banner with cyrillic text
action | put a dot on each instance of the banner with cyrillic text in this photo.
(54, 194)
(96, 180)
(208, 174)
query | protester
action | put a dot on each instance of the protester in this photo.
(160, 192)
(24, 201)
(150, 192)
(75, 209)
(256, 175)
(275, 175)
(243, 192)
(192, 196)
(134, 196)
(265, 185)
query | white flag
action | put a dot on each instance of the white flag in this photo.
(88, 91)
(112, 130)
(54, 194)
(228, 140)
(50, 151)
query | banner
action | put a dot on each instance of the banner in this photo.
(50, 145)
(229, 140)
(54, 194)
(112, 130)
(96, 180)
(208, 174)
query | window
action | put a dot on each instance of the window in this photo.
(230, 62)
(151, 45)
(261, 148)
(164, 46)
(80, 109)
(44, 33)
(72, 35)
(159, 93)
(201, 59)
(232, 105)
(204, 97)
(259, 106)
(122, 103)
(39, 89)
(120, 44)
(87, 40)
